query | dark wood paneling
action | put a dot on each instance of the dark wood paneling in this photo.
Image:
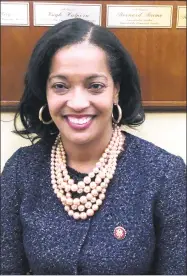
(160, 55)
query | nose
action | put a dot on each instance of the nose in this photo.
(78, 100)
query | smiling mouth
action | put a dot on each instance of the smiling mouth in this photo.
(79, 123)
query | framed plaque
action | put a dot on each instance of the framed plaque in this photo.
(15, 14)
(181, 17)
(139, 16)
(49, 14)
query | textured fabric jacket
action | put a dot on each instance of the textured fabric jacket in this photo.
(147, 197)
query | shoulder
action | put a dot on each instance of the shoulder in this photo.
(38, 149)
(28, 156)
(151, 157)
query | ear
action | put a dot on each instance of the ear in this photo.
(116, 93)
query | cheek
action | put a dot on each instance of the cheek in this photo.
(105, 108)
(54, 109)
(55, 104)
(105, 103)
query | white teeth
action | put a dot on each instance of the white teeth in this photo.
(79, 121)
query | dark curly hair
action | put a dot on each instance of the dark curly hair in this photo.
(69, 32)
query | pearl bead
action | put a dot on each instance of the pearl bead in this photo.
(80, 191)
(76, 201)
(65, 172)
(112, 172)
(95, 170)
(88, 205)
(103, 184)
(101, 196)
(70, 181)
(104, 155)
(91, 174)
(83, 215)
(54, 185)
(63, 199)
(53, 182)
(112, 141)
(60, 181)
(81, 185)
(89, 196)
(94, 192)
(59, 194)
(103, 170)
(56, 191)
(58, 170)
(67, 188)
(69, 201)
(98, 189)
(87, 189)
(98, 202)
(68, 195)
(59, 175)
(87, 179)
(106, 180)
(62, 166)
(74, 207)
(90, 212)
(98, 180)
(70, 213)
(83, 199)
(81, 208)
(102, 160)
(53, 176)
(110, 176)
(102, 174)
(74, 188)
(76, 215)
(66, 208)
(98, 165)
(95, 207)
(66, 177)
(93, 200)
(93, 185)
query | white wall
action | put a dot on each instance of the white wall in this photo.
(167, 130)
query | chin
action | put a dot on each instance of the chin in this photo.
(80, 138)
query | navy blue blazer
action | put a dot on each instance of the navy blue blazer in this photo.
(147, 197)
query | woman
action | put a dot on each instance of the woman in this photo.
(89, 198)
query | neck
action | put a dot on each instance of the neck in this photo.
(83, 157)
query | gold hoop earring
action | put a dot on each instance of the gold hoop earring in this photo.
(119, 114)
(40, 116)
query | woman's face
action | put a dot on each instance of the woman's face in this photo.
(81, 93)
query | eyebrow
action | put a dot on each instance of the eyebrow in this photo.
(87, 78)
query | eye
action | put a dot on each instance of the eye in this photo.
(59, 87)
(96, 86)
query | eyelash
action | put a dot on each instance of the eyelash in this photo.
(102, 86)
(63, 87)
(59, 88)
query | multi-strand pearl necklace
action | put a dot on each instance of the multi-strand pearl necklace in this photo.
(82, 199)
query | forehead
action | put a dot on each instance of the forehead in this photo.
(84, 58)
